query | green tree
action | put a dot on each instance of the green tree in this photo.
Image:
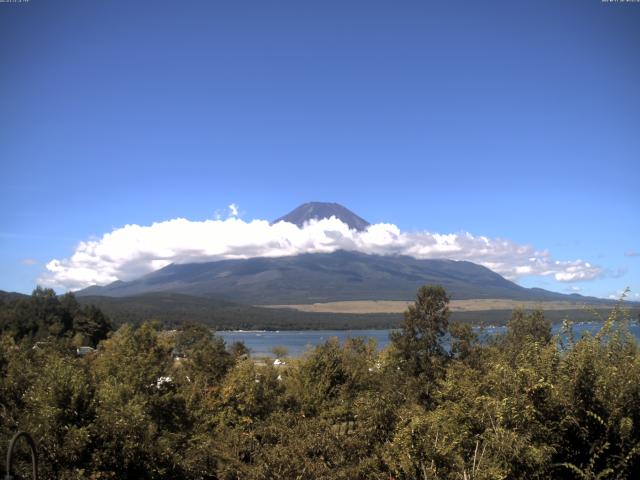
(418, 346)
(280, 351)
(190, 335)
(59, 413)
(464, 342)
(249, 393)
(238, 350)
(141, 419)
(531, 326)
(90, 323)
(45, 316)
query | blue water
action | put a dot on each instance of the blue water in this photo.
(297, 341)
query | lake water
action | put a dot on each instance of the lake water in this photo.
(297, 341)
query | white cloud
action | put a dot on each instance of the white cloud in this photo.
(133, 250)
(233, 210)
(576, 271)
(28, 262)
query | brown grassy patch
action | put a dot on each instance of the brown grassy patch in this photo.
(399, 306)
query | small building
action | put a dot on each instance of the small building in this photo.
(82, 351)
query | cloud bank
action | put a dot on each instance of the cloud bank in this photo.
(134, 250)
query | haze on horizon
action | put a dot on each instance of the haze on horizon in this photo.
(130, 133)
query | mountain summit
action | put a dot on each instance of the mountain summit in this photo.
(319, 210)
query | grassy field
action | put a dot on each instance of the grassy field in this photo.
(395, 306)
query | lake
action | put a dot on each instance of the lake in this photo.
(297, 341)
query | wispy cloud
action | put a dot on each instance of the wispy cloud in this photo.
(631, 253)
(133, 250)
(28, 261)
(233, 210)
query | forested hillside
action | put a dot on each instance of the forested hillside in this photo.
(174, 309)
(46, 316)
(525, 406)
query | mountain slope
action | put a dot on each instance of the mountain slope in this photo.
(11, 296)
(325, 277)
(319, 210)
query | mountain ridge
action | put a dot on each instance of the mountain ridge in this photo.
(325, 277)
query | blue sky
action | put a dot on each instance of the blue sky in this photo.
(512, 120)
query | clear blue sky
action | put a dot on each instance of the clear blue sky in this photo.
(508, 119)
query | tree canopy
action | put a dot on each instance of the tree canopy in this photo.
(44, 315)
(436, 404)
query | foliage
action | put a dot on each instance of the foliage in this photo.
(437, 404)
(44, 315)
(417, 347)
